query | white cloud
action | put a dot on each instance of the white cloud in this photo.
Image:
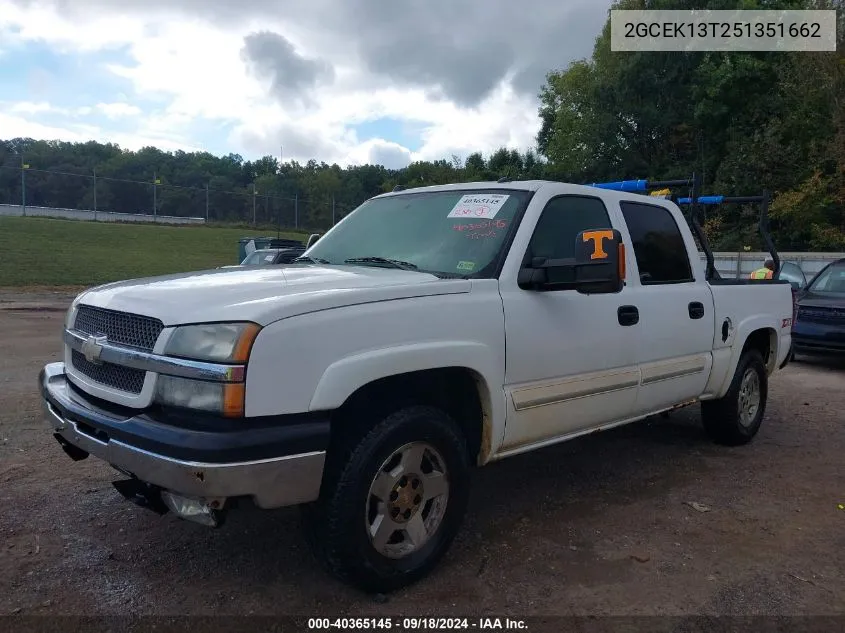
(30, 107)
(17, 126)
(118, 110)
(193, 69)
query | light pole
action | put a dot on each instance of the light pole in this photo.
(24, 167)
(156, 181)
(254, 193)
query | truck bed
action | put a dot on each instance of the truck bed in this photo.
(747, 282)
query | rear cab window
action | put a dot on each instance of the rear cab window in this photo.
(658, 243)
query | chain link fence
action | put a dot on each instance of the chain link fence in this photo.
(28, 187)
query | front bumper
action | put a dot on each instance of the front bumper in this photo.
(817, 338)
(167, 456)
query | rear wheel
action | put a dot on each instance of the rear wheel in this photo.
(390, 510)
(735, 418)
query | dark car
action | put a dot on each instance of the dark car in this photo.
(271, 256)
(819, 325)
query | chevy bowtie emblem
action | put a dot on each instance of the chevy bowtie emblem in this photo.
(92, 348)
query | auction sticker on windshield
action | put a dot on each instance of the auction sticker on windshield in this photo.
(478, 206)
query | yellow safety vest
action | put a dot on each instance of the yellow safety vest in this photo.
(761, 273)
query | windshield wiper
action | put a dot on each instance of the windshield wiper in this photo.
(395, 263)
(313, 260)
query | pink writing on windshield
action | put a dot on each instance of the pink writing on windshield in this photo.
(487, 225)
(478, 211)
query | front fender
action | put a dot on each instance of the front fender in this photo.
(347, 375)
(316, 361)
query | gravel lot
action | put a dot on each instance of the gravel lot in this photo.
(601, 525)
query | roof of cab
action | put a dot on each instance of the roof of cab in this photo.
(523, 185)
(531, 185)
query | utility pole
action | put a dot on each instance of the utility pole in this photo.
(95, 194)
(155, 199)
(332, 210)
(296, 210)
(24, 167)
(254, 193)
(278, 219)
(206, 203)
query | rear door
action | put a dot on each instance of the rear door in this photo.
(675, 334)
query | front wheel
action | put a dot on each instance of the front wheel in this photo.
(392, 509)
(735, 418)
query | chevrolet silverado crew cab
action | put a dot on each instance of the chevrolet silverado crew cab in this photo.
(431, 331)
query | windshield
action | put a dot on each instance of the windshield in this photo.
(257, 258)
(448, 233)
(831, 280)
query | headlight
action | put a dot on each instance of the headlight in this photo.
(213, 342)
(71, 312)
(226, 399)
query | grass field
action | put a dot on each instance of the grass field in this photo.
(44, 252)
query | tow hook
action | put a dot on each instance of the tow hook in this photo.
(74, 452)
(141, 494)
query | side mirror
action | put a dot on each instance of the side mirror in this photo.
(311, 239)
(597, 268)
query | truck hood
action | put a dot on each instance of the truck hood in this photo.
(814, 300)
(264, 294)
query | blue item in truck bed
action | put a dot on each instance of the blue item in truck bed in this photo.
(622, 185)
(703, 200)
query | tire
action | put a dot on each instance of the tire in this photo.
(428, 486)
(733, 420)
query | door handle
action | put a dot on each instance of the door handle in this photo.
(628, 315)
(696, 310)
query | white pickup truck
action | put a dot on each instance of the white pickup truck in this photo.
(431, 331)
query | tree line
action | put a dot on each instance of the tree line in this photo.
(744, 122)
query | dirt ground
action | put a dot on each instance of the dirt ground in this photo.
(601, 525)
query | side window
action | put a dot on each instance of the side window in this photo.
(658, 244)
(560, 223)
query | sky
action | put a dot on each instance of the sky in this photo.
(345, 81)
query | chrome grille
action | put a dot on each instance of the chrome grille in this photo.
(122, 328)
(821, 315)
(114, 376)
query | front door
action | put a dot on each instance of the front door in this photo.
(571, 365)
